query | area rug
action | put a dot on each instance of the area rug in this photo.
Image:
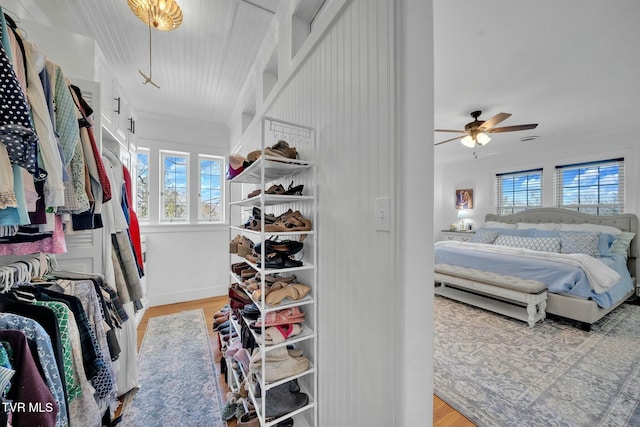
(177, 375)
(499, 372)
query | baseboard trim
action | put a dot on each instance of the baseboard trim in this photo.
(187, 295)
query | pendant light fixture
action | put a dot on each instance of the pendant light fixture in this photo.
(162, 15)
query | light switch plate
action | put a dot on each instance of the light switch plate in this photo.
(383, 214)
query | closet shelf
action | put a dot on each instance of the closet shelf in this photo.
(271, 200)
(275, 422)
(273, 233)
(273, 384)
(274, 168)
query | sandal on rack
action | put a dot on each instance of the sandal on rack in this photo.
(280, 317)
(294, 291)
(292, 222)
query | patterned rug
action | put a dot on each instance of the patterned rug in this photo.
(499, 372)
(177, 375)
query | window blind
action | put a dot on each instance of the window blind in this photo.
(592, 187)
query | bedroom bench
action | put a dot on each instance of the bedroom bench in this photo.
(523, 299)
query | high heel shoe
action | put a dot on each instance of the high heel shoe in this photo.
(294, 191)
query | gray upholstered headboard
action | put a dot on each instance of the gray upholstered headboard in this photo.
(624, 222)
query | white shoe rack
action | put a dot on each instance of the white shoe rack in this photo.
(262, 174)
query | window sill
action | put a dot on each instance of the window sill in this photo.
(183, 227)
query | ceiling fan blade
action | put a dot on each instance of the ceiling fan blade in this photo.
(513, 128)
(449, 130)
(449, 140)
(488, 124)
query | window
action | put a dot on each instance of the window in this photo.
(518, 191)
(174, 200)
(210, 194)
(142, 184)
(595, 187)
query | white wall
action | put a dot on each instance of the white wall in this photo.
(345, 89)
(479, 174)
(184, 262)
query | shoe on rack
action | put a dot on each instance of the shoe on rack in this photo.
(257, 214)
(281, 149)
(245, 246)
(278, 260)
(230, 407)
(294, 191)
(224, 311)
(280, 317)
(294, 291)
(238, 267)
(250, 419)
(276, 370)
(292, 222)
(253, 156)
(287, 247)
(233, 245)
(281, 400)
(273, 278)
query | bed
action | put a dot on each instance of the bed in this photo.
(572, 292)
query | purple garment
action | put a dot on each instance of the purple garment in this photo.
(33, 402)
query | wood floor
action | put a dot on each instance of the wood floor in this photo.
(443, 414)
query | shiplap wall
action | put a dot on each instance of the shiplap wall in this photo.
(343, 91)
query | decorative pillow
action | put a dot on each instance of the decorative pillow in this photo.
(544, 244)
(496, 224)
(545, 233)
(591, 227)
(579, 243)
(511, 232)
(621, 244)
(484, 236)
(540, 226)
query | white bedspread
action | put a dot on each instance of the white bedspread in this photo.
(601, 277)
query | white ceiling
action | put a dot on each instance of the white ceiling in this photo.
(201, 66)
(569, 65)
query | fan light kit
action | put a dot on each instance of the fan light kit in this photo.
(476, 132)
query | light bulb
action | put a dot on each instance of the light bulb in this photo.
(468, 141)
(482, 138)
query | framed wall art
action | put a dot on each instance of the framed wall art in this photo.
(464, 198)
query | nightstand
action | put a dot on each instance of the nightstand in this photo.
(460, 236)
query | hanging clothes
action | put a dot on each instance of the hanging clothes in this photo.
(36, 334)
(32, 391)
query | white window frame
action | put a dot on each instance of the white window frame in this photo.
(602, 206)
(221, 161)
(502, 209)
(168, 219)
(146, 152)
